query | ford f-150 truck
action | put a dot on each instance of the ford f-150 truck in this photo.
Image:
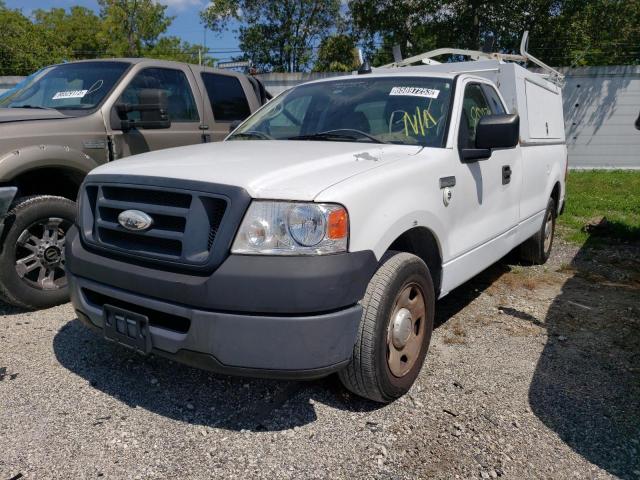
(67, 119)
(319, 235)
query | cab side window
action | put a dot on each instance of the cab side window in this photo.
(181, 104)
(227, 97)
(474, 107)
(497, 108)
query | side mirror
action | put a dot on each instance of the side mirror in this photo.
(493, 131)
(153, 110)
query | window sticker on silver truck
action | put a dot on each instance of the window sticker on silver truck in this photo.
(414, 92)
(70, 94)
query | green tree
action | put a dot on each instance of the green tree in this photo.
(562, 32)
(336, 53)
(131, 27)
(590, 32)
(275, 35)
(25, 47)
(381, 24)
(123, 28)
(76, 30)
(172, 48)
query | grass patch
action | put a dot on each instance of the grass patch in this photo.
(614, 194)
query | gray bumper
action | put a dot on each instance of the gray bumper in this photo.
(287, 346)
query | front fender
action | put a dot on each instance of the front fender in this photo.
(391, 231)
(34, 157)
(383, 205)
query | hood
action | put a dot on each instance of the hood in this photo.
(282, 170)
(25, 114)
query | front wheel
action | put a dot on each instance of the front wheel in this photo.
(32, 272)
(395, 330)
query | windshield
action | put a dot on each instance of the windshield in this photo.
(71, 86)
(25, 81)
(400, 110)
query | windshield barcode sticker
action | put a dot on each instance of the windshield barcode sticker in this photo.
(415, 92)
(70, 94)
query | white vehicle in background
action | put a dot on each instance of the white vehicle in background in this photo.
(318, 236)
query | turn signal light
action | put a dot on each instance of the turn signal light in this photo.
(338, 224)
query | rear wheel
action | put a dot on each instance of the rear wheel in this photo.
(537, 249)
(395, 329)
(32, 272)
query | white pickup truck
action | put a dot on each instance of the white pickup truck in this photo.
(318, 236)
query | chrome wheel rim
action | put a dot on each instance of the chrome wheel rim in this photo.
(406, 330)
(40, 254)
(548, 231)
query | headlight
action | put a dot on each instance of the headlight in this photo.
(292, 228)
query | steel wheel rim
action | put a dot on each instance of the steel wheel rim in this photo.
(548, 232)
(406, 330)
(40, 259)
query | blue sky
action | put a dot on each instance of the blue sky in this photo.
(186, 24)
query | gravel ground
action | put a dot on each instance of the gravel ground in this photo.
(533, 372)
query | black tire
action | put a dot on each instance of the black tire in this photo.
(52, 216)
(535, 250)
(369, 374)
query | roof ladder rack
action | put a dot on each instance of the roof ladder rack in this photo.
(554, 75)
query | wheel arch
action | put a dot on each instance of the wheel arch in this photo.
(61, 181)
(556, 193)
(30, 169)
(422, 242)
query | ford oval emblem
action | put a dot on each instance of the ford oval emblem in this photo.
(135, 220)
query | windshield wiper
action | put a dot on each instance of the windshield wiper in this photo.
(338, 134)
(252, 134)
(37, 107)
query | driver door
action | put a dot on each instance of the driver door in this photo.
(182, 110)
(484, 207)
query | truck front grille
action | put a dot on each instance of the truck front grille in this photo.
(184, 229)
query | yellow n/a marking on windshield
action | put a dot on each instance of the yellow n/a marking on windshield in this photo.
(419, 121)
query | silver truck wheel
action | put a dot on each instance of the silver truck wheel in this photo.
(40, 254)
(395, 330)
(32, 261)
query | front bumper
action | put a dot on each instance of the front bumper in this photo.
(306, 328)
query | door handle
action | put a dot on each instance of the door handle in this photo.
(447, 182)
(506, 174)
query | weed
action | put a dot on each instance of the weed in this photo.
(457, 335)
(517, 269)
(454, 340)
(459, 330)
(566, 268)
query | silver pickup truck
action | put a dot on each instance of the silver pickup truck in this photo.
(67, 119)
